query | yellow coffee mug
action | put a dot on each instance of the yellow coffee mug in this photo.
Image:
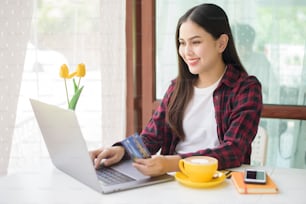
(199, 168)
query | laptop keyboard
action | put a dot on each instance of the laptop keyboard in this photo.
(109, 176)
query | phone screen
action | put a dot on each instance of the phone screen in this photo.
(255, 176)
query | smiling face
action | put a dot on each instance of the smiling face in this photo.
(200, 51)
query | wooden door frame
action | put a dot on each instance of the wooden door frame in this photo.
(141, 71)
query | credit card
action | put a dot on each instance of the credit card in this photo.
(135, 147)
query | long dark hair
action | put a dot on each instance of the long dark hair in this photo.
(213, 20)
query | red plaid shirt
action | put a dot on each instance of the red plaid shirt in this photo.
(238, 105)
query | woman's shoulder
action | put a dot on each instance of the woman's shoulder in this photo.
(240, 86)
(170, 89)
(172, 85)
(236, 76)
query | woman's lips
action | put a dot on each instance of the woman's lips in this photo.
(192, 62)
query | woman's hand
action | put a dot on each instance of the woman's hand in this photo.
(157, 165)
(107, 156)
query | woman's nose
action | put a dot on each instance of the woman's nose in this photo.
(188, 50)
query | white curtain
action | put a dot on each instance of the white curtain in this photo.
(113, 70)
(35, 39)
(15, 21)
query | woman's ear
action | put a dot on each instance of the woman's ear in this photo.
(222, 42)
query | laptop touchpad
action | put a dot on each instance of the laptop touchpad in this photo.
(127, 168)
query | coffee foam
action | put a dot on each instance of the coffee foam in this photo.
(200, 161)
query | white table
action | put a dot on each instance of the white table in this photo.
(49, 185)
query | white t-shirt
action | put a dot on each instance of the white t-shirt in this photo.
(199, 122)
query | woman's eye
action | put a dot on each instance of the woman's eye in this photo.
(196, 42)
(182, 43)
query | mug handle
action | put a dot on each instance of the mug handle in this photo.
(182, 167)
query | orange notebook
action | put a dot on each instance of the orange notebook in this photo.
(243, 188)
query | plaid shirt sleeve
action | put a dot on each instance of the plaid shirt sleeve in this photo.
(238, 105)
(157, 134)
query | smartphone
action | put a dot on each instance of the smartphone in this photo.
(255, 176)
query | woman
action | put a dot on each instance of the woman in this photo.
(212, 108)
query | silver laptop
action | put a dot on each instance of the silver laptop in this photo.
(69, 153)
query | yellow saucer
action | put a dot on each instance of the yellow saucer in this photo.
(184, 180)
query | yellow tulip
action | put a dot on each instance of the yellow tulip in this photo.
(81, 70)
(64, 71)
